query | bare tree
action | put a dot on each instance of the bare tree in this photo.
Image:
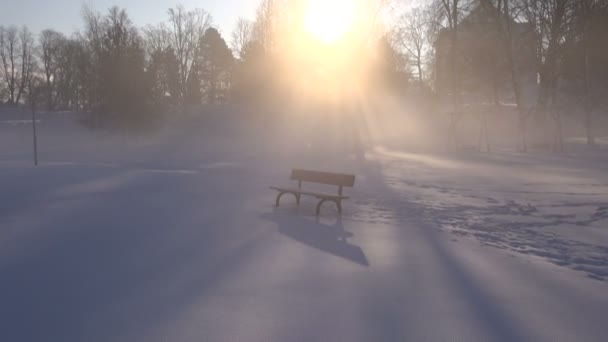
(75, 74)
(588, 16)
(450, 13)
(10, 64)
(162, 64)
(123, 81)
(216, 61)
(94, 31)
(505, 14)
(27, 61)
(274, 21)
(51, 43)
(157, 37)
(553, 21)
(92, 44)
(185, 32)
(110, 68)
(266, 24)
(241, 36)
(411, 34)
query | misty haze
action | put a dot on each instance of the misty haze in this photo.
(304, 170)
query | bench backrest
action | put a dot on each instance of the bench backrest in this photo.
(328, 178)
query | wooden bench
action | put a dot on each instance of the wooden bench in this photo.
(327, 178)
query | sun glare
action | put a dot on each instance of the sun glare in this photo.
(329, 20)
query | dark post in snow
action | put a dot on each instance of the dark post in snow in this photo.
(34, 133)
(33, 94)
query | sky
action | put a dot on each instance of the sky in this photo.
(65, 15)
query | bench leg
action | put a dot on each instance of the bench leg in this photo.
(338, 204)
(283, 193)
(319, 206)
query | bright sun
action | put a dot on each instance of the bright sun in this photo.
(329, 20)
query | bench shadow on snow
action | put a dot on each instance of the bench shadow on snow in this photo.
(316, 233)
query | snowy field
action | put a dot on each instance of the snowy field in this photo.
(174, 237)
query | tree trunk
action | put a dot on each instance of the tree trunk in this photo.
(483, 132)
(419, 65)
(558, 145)
(557, 119)
(588, 100)
(522, 124)
(589, 126)
(522, 113)
(19, 93)
(13, 82)
(559, 132)
(49, 94)
(452, 13)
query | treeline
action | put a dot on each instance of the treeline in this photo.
(114, 69)
(538, 58)
(545, 58)
(123, 73)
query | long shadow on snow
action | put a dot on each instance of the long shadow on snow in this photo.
(331, 239)
(528, 237)
(490, 316)
(525, 237)
(111, 269)
(27, 189)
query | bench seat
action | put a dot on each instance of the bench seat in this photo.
(309, 193)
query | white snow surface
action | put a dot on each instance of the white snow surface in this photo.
(174, 237)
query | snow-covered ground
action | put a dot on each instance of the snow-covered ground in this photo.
(173, 237)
